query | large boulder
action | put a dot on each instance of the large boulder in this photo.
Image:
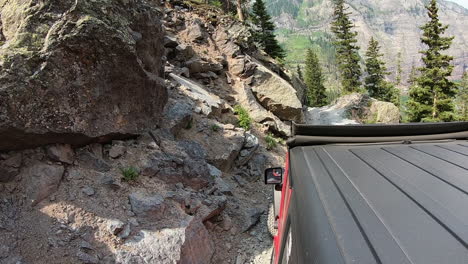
(74, 71)
(42, 180)
(187, 242)
(259, 114)
(209, 103)
(384, 112)
(353, 108)
(276, 94)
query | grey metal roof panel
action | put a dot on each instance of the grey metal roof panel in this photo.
(385, 203)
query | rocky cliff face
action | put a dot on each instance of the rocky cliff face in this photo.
(75, 71)
(394, 23)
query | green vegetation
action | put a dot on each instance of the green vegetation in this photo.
(270, 141)
(346, 48)
(263, 31)
(215, 128)
(216, 3)
(299, 73)
(462, 98)
(244, 119)
(399, 70)
(189, 124)
(375, 82)
(129, 173)
(431, 98)
(313, 78)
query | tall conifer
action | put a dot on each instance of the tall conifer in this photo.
(375, 82)
(263, 34)
(316, 96)
(431, 100)
(346, 48)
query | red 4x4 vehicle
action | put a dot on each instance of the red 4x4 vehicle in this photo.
(373, 194)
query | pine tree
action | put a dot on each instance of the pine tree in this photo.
(346, 48)
(462, 98)
(413, 76)
(299, 72)
(314, 81)
(399, 70)
(431, 100)
(375, 82)
(264, 31)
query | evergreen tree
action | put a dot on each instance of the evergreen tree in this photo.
(346, 48)
(431, 100)
(399, 70)
(375, 82)
(314, 81)
(413, 76)
(264, 31)
(462, 98)
(299, 72)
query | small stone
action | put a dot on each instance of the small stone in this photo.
(240, 259)
(244, 153)
(179, 185)
(86, 245)
(214, 172)
(134, 222)
(115, 226)
(87, 258)
(125, 232)
(153, 145)
(62, 153)
(88, 191)
(116, 151)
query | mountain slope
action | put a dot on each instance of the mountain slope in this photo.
(394, 23)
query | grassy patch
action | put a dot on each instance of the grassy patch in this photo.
(270, 141)
(243, 116)
(215, 128)
(129, 173)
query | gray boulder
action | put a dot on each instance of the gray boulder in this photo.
(147, 204)
(98, 80)
(42, 180)
(259, 114)
(62, 153)
(197, 65)
(210, 104)
(195, 32)
(187, 242)
(177, 115)
(178, 168)
(276, 94)
(9, 167)
(353, 108)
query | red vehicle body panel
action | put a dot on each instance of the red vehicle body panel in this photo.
(284, 206)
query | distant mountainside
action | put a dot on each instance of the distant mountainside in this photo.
(394, 23)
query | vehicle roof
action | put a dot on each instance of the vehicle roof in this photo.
(382, 203)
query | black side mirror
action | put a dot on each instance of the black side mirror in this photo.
(274, 176)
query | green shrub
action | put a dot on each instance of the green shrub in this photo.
(216, 3)
(243, 116)
(129, 173)
(189, 124)
(215, 128)
(270, 141)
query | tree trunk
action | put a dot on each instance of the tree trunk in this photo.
(434, 106)
(239, 10)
